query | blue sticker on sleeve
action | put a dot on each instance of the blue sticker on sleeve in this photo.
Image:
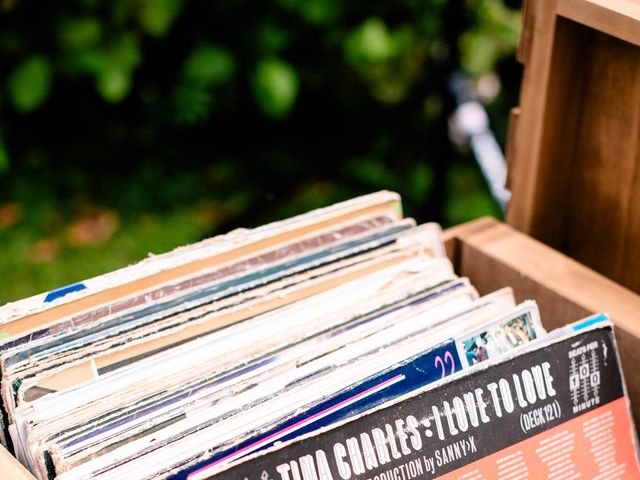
(61, 292)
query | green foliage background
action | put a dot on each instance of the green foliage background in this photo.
(133, 126)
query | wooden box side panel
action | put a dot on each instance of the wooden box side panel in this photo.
(496, 256)
(11, 469)
(575, 158)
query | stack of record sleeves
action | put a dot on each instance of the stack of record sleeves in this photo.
(338, 344)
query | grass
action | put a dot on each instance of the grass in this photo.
(27, 270)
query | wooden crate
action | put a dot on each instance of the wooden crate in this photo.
(495, 255)
(574, 171)
(574, 146)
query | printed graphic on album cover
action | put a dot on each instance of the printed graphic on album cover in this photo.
(499, 339)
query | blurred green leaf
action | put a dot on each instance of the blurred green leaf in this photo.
(112, 66)
(272, 37)
(467, 197)
(29, 84)
(371, 41)
(113, 84)
(319, 12)
(79, 33)
(471, 205)
(275, 86)
(157, 16)
(290, 5)
(124, 52)
(421, 179)
(390, 62)
(121, 53)
(315, 12)
(480, 52)
(91, 61)
(122, 11)
(208, 65)
(11, 42)
(4, 157)
(495, 34)
(372, 171)
(192, 104)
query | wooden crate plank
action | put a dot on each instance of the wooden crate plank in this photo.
(11, 469)
(574, 158)
(565, 289)
(617, 18)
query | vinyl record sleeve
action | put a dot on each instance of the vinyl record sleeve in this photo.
(442, 359)
(184, 260)
(151, 374)
(559, 408)
(321, 257)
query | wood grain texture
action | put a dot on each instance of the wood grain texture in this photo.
(574, 165)
(452, 236)
(497, 256)
(538, 28)
(526, 34)
(11, 469)
(616, 18)
(560, 117)
(602, 227)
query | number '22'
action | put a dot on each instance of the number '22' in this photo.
(448, 358)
